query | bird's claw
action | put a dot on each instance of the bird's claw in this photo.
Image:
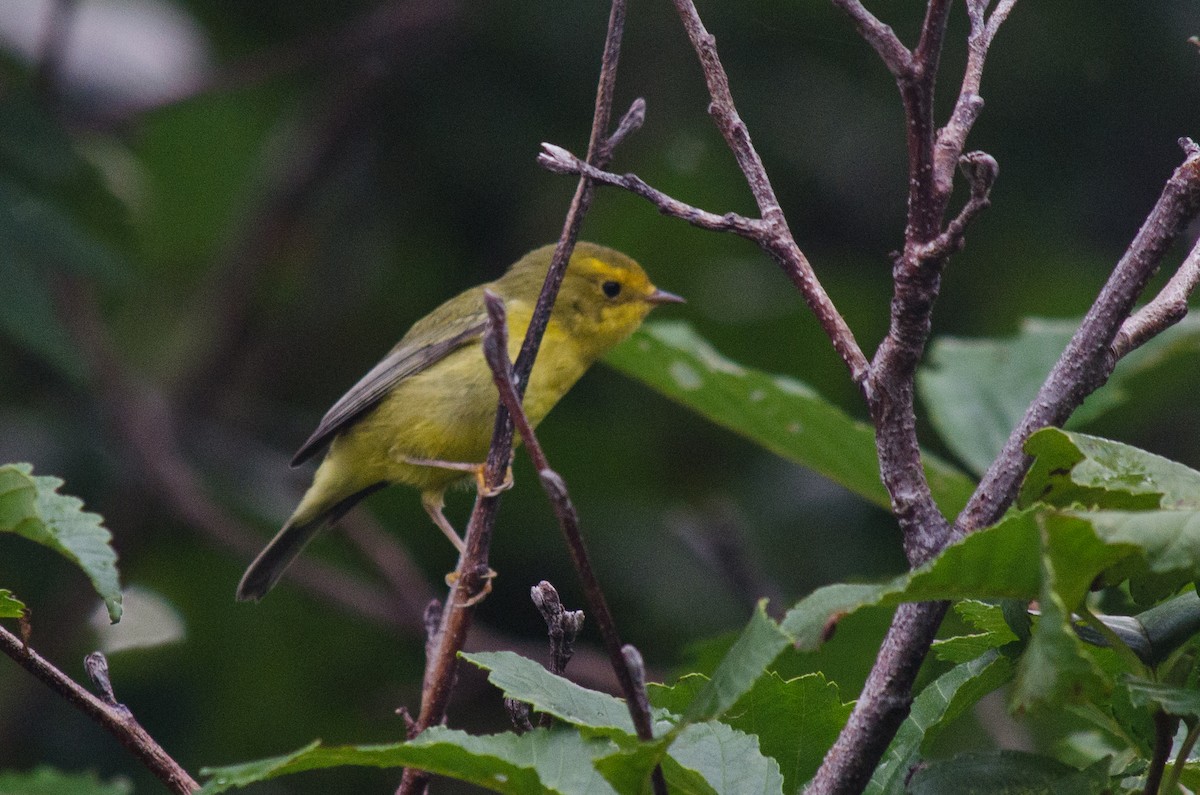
(452, 579)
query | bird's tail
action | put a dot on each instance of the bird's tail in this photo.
(288, 543)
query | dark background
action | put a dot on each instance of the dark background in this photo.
(332, 171)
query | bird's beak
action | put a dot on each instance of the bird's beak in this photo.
(663, 297)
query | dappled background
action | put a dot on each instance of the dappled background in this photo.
(282, 188)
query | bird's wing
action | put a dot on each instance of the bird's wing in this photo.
(417, 351)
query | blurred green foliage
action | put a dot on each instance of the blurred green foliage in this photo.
(254, 246)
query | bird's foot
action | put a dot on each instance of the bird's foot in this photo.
(452, 578)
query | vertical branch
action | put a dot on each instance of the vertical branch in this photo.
(495, 348)
(473, 570)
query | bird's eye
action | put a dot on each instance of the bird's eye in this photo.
(611, 289)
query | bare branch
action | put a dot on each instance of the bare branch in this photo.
(951, 139)
(891, 50)
(981, 170)
(1088, 359)
(495, 349)
(473, 569)
(113, 717)
(1165, 310)
(883, 704)
(560, 161)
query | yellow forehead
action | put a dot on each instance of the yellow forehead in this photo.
(626, 273)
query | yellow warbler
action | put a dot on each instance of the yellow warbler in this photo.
(423, 416)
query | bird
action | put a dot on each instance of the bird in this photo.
(423, 416)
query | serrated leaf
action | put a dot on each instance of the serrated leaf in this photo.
(1076, 469)
(936, 707)
(994, 563)
(977, 390)
(31, 506)
(539, 761)
(730, 761)
(10, 606)
(1055, 668)
(1182, 702)
(757, 647)
(795, 721)
(981, 615)
(1008, 773)
(777, 412)
(628, 769)
(44, 780)
(526, 680)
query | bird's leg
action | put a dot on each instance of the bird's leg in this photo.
(433, 502)
(478, 470)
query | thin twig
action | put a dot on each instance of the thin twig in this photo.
(113, 717)
(778, 242)
(1164, 310)
(952, 138)
(891, 50)
(473, 571)
(1088, 359)
(495, 349)
(560, 161)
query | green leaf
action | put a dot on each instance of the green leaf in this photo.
(994, 563)
(777, 412)
(984, 616)
(936, 707)
(10, 606)
(628, 770)
(977, 390)
(56, 214)
(539, 761)
(1005, 772)
(1055, 666)
(796, 722)
(1182, 702)
(44, 780)
(730, 761)
(759, 644)
(1076, 469)
(526, 680)
(31, 506)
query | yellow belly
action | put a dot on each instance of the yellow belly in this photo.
(446, 413)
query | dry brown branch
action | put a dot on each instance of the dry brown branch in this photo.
(113, 717)
(473, 572)
(495, 347)
(1164, 310)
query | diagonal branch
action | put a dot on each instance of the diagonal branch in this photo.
(1089, 359)
(777, 239)
(113, 717)
(890, 49)
(495, 349)
(560, 161)
(1165, 310)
